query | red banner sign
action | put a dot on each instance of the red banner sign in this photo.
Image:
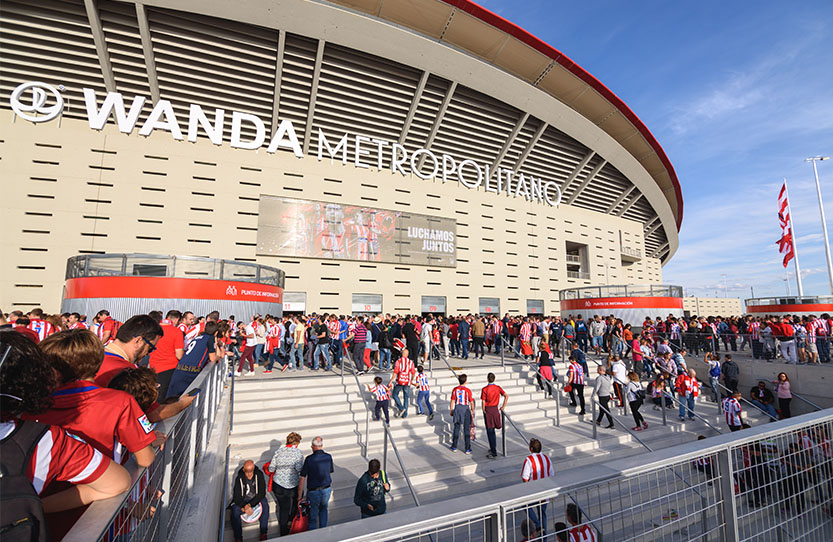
(809, 308)
(610, 303)
(170, 288)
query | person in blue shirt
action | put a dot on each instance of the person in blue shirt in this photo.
(315, 475)
(204, 349)
(581, 333)
(463, 329)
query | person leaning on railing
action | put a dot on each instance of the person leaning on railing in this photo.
(26, 383)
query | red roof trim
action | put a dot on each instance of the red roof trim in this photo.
(515, 31)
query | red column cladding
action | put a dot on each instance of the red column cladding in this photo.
(804, 309)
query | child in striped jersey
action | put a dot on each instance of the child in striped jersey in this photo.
(382, 395)
(423, 393)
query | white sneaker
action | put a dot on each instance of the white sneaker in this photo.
(250, 373)
(238, 373)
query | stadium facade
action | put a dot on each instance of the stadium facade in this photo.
(395, 156)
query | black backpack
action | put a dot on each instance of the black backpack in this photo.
(21, 511)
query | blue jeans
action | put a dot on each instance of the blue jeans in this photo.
(464, 343)
(273, 357)
(686, 402)
(424, 396)
(769, 409)
(338, 351)
(322, 349)
(297, 355)
(406, 391)
(454, 346)
(540, 522)
(318, 502)
(647, 366)
(237, 523)
(713, 380)
(258, 353)
(384, 358)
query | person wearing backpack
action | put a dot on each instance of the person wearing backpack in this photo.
(714, 373)
(26, 382)
(371, 489)
(581, 333)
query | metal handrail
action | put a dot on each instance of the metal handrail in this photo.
(631, 433)
(388, 435)
(745, 400)
(509, 419)
(699, 417)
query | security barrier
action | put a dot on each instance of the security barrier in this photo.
(152, 508)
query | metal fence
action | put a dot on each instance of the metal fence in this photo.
(153, 506)
(773, 482)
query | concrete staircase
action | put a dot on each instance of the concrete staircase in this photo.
(268, 407)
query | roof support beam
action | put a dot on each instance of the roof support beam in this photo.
(532, 142)
(100, 45)
(658, 250)
(576, 171)
(509, 141)
(439, 120)
(586, 181)
(657, 223)
(147, 49)
(620, 199)
(276, 96)
(627, 207)
(414, 104)
(313, 94)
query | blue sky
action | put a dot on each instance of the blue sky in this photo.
(738, 94)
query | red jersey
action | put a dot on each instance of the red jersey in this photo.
(575, 373)
(526, 331)
(107, 325)
(110, 420)
(59, 457)
(490, 395)
(462, 395)
(754, 330)
(114, 363)
(403, 370)
(335, 329)
(78, 325)
(732, 409)
(380, 392)
(43, 328)
(422, 382)
(582, 533)
(687, 386)
(164, 357)
(536, 467)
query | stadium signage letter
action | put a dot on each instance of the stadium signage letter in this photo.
(163, 117)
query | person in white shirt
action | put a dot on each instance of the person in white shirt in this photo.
(620, 379)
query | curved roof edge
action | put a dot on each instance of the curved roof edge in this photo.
(542, 47)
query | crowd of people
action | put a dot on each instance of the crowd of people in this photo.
(58, 371)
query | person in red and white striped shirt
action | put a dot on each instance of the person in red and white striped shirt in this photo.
(537, 466)
(403, 376)
(462, 406)
(754, 330)
(40, 326)
(733, 410)
(579, 532)
(74, 321)
(382, 395)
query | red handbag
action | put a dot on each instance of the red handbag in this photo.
(271, 475)
(300, 523)
(568, 388)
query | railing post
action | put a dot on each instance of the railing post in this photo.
(502, 360)
(557, 397)
(164, 510)
(231, 404)
(503, 432)
(593, 421)
(385, 451)
(662, 407)
(194, 412)
(725, 469)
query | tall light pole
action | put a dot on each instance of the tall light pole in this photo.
(725, 288)
(815, 159)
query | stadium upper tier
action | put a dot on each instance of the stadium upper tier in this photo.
(443, 75)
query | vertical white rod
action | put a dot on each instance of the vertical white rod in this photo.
(795, 244)
(824, 228)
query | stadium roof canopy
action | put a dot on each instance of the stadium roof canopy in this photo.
(447, 75)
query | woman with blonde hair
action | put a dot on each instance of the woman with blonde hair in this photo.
(285, 468)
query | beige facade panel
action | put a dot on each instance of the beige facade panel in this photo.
(71, 189)
(713, 306)
(430, 17)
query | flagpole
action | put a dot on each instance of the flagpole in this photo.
(795, 244)
(815, 159)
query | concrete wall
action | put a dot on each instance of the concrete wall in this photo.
(69, 189)
(811, 382)
(713, 306)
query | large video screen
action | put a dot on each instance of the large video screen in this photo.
(316, 229)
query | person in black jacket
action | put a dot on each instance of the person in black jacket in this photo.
(248, 492)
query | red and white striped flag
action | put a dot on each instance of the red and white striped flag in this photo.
(785, 243)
